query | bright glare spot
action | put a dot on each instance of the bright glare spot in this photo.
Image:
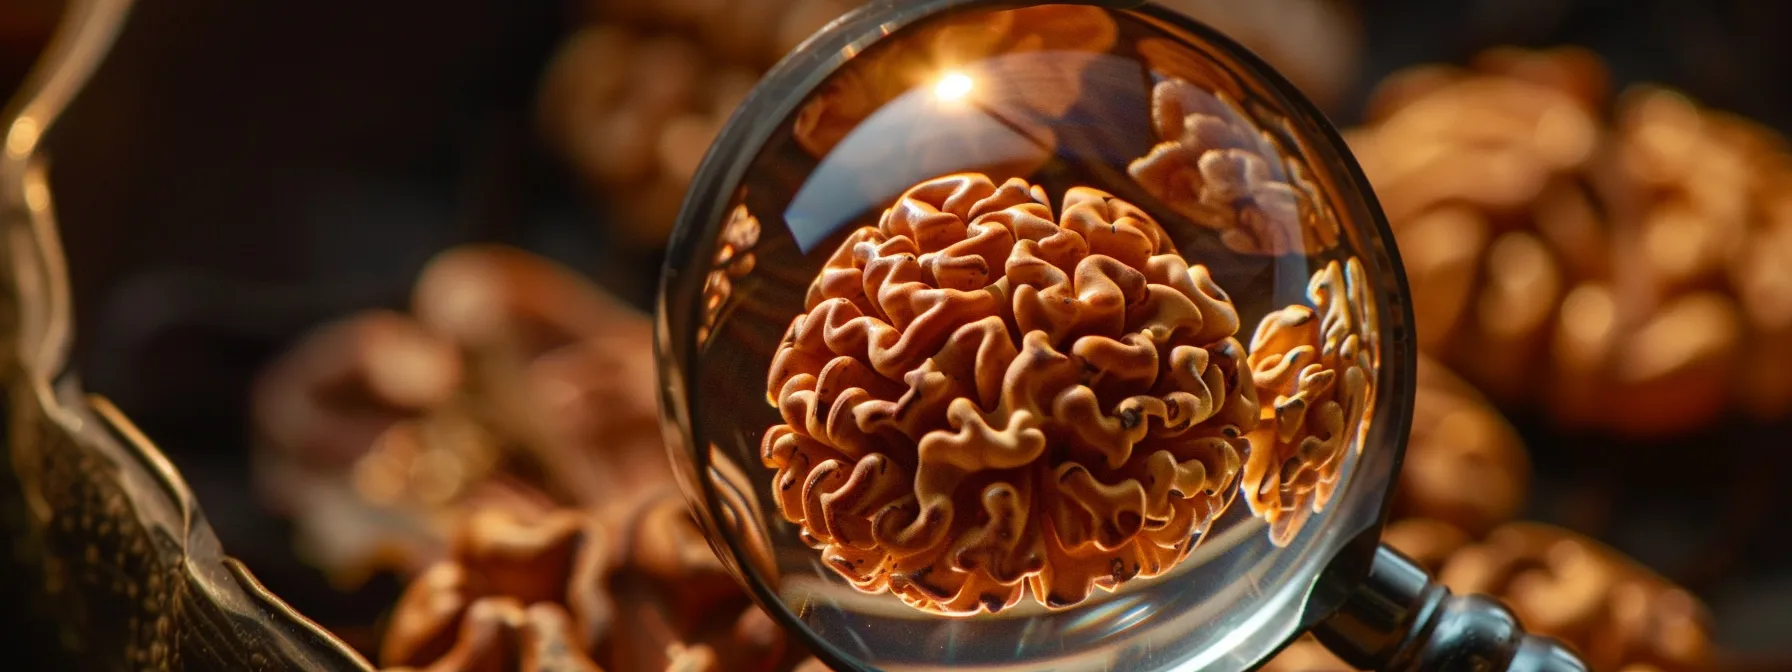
(954, 86)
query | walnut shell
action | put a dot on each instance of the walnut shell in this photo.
(985, 397)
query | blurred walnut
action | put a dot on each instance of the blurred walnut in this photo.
(681, 607)
(500, 633)
(1631, 263)
(1317, 364)
(1561, 584)
(514, 378)
(975, 366)
(1465, 464)
(634, 113)
(507, 579)
(634, 99)
(1217, 167)
(635, 588)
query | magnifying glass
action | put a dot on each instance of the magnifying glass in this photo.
(1068, 336)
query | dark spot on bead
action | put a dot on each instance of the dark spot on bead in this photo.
(1130, 418)
(992, 602)
(1057, 601)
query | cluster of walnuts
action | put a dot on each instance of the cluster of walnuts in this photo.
(1634, 253)
(499, 448)
(986, 396)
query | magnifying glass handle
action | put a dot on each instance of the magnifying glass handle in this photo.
(1401, 618)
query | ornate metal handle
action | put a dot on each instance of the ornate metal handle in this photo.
(1400, 618)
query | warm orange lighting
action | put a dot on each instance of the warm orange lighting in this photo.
(954, 86)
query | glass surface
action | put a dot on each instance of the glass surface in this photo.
(1042, 336)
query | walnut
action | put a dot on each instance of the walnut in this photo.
(514, 376)
(631, 588)
(1215, 166)
(984, 398)
(1066, 34)
(1567, 586)
(634, 114)
(507, 577)
(1629, 260)
(1464, 464)
(1319, 363)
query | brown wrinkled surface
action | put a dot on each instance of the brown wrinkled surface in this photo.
(1464, 464)
(1215, 166)
(633, 589)
(963, 43)
(1630, 261)
(1315, 366)
(366, 426)
(985, 397)
(506, 578)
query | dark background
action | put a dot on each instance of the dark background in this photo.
(239, 172)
